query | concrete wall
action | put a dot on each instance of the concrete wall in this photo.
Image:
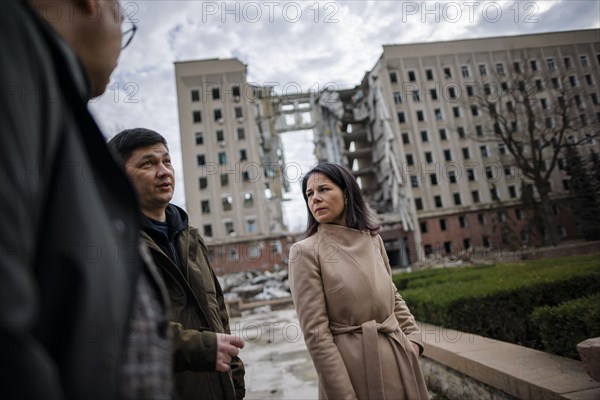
(462, 366)
(449, 383)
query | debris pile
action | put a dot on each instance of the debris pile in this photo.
(254, 290)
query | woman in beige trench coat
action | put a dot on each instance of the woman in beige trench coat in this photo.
(361, 336)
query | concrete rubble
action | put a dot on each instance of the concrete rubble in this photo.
(255, 291)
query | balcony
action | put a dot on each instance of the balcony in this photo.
(363, 153)
(356, 134)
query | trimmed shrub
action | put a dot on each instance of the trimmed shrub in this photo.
(437, 276)
(563, 326)
(496, 301)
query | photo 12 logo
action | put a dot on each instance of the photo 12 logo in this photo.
(469, 11)
(253, 11)
(54, 11)
(125, 92)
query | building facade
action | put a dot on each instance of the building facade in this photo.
(418, 136)
(231, 161)
(414, 132)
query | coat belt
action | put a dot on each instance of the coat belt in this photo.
(370, 331)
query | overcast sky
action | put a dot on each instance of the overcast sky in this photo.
(296, 44)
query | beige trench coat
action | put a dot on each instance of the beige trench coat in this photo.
(355, 324)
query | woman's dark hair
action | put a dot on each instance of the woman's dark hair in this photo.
(357, 214)
(126, 142)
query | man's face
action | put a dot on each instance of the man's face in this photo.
(100, 43)
(151, 172)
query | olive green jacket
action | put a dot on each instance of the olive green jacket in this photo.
(198, 311)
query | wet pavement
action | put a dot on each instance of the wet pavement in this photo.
(277, 363)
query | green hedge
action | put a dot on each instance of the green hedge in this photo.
(563, 326)
(496, 301)
(431, 277)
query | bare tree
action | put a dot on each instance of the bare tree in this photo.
(536, 117)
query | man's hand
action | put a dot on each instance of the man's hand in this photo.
(228, 346)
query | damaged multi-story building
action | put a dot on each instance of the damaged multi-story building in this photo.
(231, 164)
(410, 133)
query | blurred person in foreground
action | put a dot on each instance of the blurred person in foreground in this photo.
(81, 316)
(206, 358)
(362, 338)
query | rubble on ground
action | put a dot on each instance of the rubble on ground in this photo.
(251, 286)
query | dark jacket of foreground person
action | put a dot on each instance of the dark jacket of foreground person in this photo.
(198, 306)
(69, 257)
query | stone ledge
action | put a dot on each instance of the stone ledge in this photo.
(589, 352)
(446, 383)
(516, 370)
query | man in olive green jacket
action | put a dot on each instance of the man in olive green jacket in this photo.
(205, 354)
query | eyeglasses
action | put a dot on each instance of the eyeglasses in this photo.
(127, 34)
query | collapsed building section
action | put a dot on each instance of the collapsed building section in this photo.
(356, 132)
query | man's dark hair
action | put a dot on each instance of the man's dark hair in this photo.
(126, 142)
(357, 214)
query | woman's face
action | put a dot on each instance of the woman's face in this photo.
(326, 201)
